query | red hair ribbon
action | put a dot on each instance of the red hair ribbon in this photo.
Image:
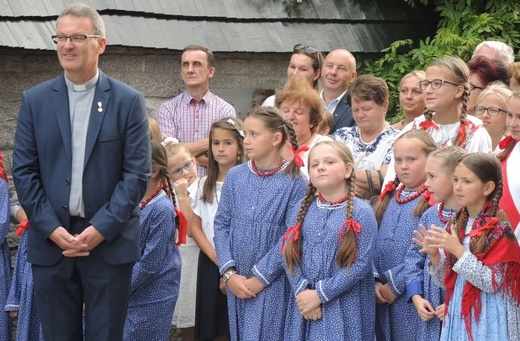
(183, 227)
(346, 226)
(462, 132)
(24, 224)
(295, 230)
(428, 124)
(489, 226)
(297, 158)
(506, 142)
(3, 172)
(427, 196)
(389, 188)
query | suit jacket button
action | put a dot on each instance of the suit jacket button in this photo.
(67, 181)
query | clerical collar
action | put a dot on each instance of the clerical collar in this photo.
(82, 87)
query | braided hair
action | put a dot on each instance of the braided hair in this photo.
(346, 254)
(276, 123)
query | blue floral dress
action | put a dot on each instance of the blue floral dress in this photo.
(399, 320)
(21, 297)
(348, 298)
(156, 276)
(5, 261)
(419, 280)
(251, 218)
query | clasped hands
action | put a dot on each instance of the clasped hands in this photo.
(78, 245)
(308, 301)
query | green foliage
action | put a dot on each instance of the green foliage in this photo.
(462, 26)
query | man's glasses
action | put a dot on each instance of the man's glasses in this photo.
(479, 110)
(178, 171)
(308, 49)
(436, 84)
(76, 38)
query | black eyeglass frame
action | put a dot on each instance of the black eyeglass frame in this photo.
(75, 38)
(484, 109)
(424, 84)
(473, 87)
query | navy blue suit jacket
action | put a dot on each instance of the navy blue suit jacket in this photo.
(342, 115)
(116, 169)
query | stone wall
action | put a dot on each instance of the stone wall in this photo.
(153, 72)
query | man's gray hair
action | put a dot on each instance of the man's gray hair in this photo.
(79, 10)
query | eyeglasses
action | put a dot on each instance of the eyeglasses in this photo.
(473, 87)
(491, 111)
(308, 49)
(76, 38)
(178, 171)
(436, 84)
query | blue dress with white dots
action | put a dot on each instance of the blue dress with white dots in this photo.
(419, 280)
(250, 220)
(348, 298)
(5, 261)
(156, 276)
(21, 297)
(399, 320)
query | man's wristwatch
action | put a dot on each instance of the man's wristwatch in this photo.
(227, 275)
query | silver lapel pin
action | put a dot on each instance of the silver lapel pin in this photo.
(100, 107)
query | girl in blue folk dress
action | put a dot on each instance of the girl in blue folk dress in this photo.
(20, 302)
(226, 150)
(329, 254)
(5, 258)
(421, 289)
(401, 205)
(156, 276)
(250, 220)
(480, 259)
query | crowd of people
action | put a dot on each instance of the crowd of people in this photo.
(312, 219)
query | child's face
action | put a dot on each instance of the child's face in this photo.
(182, 165)
(442, 99)
(513, 117)
(410, 161)
(259, 142)
(438, 181)
(224, 147)
(469, 190)
(327, 171)
(495, 125)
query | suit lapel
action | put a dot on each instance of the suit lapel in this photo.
(60, 100)
(96, 117)
(341, 109)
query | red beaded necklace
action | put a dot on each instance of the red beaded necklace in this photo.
(337, 202)
(441, 218)
(411, 197)
(259, 173)
(145, 202)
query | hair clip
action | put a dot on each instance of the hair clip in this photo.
(233, 123)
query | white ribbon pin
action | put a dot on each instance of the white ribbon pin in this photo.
(100, 107)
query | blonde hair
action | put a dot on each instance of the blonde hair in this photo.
(155, 130)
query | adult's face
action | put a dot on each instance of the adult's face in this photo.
(301, 65)
(300, 116)
(411, 97)
(195, 71)
(339, 70)
(477, 85)
(369, 115)
(78, 59)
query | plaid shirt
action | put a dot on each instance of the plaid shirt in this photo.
(189, 121)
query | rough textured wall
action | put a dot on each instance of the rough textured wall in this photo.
(153, 72)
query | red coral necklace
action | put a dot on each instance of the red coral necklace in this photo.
(145, 202)
(441, 218)
(337, 202)
(411, 197)
(269, 173)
